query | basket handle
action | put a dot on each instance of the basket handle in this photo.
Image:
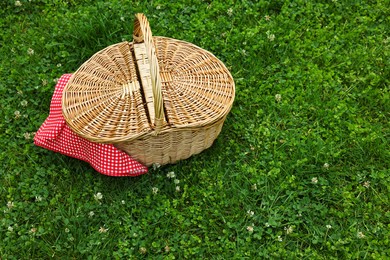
(143, 33)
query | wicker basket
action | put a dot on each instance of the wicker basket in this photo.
(159, 99)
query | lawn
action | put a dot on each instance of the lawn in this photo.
(299, 171)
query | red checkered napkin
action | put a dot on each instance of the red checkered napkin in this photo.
(55, 135)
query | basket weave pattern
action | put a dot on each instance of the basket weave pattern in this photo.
(159, 99)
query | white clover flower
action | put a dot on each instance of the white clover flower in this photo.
(59, 65)
(267, 224)
(67, 230)
(10, 229)
(20, 92)
(267, 17)
(167, 248)
(154, 190)
(314, 180)
(288, 229)
(328, 226)
(98, 196)
(38, 198)
(250, 213)
(18, 3)
(326, 166)
(254, 186)
(278, 97)
(10, 204)
(280, 239)
(270, 36)
(91, 214)
(142, 250)
(243, 52)
(155, 166)
(171, 175)
(360, 235)
(176, 181)
(44, 82)
(230, 11)
(30, 51)
(177, 188)
(55, 80)
(250, 229)
(27, 136)
(158, 7)
(122, 19)
(366, 184)
(17, 114)
(33, 230)
(123, 202)
(103, 230)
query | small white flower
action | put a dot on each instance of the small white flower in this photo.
(38, 198)
(167, 248)
(10, 229)
(243, 52)
(328, 226)
(280, 239)
(98, 196)
(10, 204)
(314, 180)
(230, 11)
(55, 80)
(250, 213)
(267, 17)
(155, 166)
(24, 103)
(270, 36)
(17, 114)
(158, 7)
(122, 19)
(288, 229)
(30, 51)
(360, 235)
(142, 250)
(103, 230)
(154, 190)
(176, 181)
(178, 188)
(44, 82)
(171, 175)
(67, 230)
(27, 136)
(278, 97)
(267, 224)
(59, 65)
(20, 92)
(326, 166)
(123, 202)
(91, 214)
(18, 3)
(250, 229)
(254, 186)
(366, 184)
(33, 230)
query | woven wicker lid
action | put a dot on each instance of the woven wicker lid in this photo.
(106, 98)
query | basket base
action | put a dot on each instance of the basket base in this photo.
(172, 146)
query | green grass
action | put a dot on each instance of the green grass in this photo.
(303, 175)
